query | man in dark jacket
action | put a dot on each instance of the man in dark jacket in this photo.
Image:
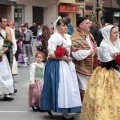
(95, 32)
(33, 28)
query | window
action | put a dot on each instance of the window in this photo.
(38, 15)
(79, 0)
(19, 15)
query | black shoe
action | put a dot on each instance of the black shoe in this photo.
(28, 63)
(15, 90)
(72, 118)
(49, 112)
(8, 98)
(35, 108)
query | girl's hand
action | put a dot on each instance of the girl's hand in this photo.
(32, 85)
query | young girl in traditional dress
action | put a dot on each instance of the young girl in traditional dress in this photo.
(36, 81)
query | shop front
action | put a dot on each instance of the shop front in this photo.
(67, 10)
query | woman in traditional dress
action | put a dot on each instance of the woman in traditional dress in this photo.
(102, 97)
(42, 41)
(60, 90)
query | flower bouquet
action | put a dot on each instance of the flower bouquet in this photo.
(7, 43)
(60, 51)
(117, 59)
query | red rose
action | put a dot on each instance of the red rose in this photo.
(60, 51)
(117, 59)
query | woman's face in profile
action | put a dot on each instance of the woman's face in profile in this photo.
(114, 34)
(62, 28)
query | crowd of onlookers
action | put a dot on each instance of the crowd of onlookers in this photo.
(39, 34)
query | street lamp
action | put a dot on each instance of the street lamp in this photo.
(97, 11)
(82, 7)
(99, 8)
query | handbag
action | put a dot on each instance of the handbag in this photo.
(14, 67)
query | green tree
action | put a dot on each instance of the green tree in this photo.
(97, 9)
(118, 2)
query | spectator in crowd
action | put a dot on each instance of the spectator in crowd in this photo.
(42, 46)
(95, 32)
(106, 24)
(39, 30)
(18, 37)
(51, 28)
(97, 25)
(27, 44)
(70, 27)
(33, 28)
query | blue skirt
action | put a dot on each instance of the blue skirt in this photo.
(49, 97)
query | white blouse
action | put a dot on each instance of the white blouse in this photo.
(57, 40)
(105, 54)
(32, 71)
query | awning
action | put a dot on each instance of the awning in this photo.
(7, 2)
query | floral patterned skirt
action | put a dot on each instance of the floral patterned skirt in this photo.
(102, 97)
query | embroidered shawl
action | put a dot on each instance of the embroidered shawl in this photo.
(79, 42)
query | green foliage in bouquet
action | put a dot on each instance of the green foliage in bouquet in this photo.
(7, 43)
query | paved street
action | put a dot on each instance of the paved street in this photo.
(18, 109)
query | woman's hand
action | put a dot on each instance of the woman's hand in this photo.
(114, 55)
(92, 51)
(96, 49)
(67, 58)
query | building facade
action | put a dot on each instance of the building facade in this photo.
(111, 13)
(29, 11)
(5, 8)
(41, 11)
(47, 11)
(71, 8)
